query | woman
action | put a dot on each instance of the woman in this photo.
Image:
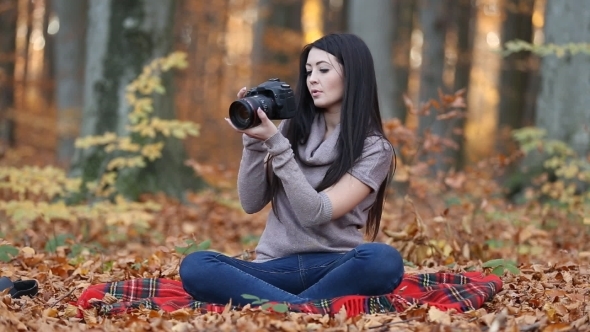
(325, 172)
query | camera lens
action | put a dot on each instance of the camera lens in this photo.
(242, 113)
(239, 114)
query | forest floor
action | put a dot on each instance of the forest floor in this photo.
(447, 232)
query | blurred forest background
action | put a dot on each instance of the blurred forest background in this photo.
(65, 64)
(105, 102)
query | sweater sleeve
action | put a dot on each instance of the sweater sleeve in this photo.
(252, 184)
(373, 165)
(310, 207)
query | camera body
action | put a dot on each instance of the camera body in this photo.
(274, 97)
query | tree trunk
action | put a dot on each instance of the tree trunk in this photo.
(402, 43)
(372, 21)
(278, 41)
(464, 16)
(464, 19)
(257, 56)
(433, 22)
(564, 99)
(122, 37)
(335, 18)
(514, 75)
(8, 16)
(69, 53)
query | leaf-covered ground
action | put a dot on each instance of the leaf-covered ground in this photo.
(550, 292)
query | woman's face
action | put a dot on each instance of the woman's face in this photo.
(325, 80)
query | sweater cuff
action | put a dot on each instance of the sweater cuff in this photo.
(326, 211)
(277, 144)
(252, 144)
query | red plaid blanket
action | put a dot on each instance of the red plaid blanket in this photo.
(462, 292)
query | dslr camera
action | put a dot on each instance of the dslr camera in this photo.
(274, 97)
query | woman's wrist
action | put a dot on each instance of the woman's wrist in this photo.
(277, 144)
(253, 144)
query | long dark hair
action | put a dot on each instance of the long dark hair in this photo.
(359, 116)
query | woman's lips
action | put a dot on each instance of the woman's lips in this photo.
(315, 93)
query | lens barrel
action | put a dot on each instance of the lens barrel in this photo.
(242, 114)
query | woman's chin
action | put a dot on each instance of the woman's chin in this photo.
(320, 106)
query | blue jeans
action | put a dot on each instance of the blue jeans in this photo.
(369, 269)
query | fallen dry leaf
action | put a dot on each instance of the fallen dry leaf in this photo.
(550, 293)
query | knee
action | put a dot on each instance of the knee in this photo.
(194, 268)
(384, 260)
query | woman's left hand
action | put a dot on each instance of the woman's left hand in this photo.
(265, 130)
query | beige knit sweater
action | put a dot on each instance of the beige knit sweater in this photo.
(303, 222)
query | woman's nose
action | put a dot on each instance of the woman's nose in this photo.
(312, 77)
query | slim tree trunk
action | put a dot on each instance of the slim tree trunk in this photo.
(69, 54)
(373, 22)
(402, 43)
(257, 56)
(433, 22)
(514, 76)
(464, 20)
(8, 17)
(122, 37)
(335, 18)
(563, 103)
(464, 17)
(278, 40)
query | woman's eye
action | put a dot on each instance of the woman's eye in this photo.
(321, 70)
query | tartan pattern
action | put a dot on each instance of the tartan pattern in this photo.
(462, 292)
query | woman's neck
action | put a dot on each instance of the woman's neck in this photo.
(332, 120)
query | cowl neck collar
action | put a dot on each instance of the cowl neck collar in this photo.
(317, 151)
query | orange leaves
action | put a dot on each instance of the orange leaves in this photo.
(452, 221)
(444, 105)
(413, 242)
(541, 296)
(551, 295)
(419, 147)
(215, 176)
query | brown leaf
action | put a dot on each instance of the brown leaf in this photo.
(436, 315)
(109, 299)
(181, 314)
(50, 312)
(71, 311)
(90, 316)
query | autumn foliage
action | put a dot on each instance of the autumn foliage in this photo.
(460, 219)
